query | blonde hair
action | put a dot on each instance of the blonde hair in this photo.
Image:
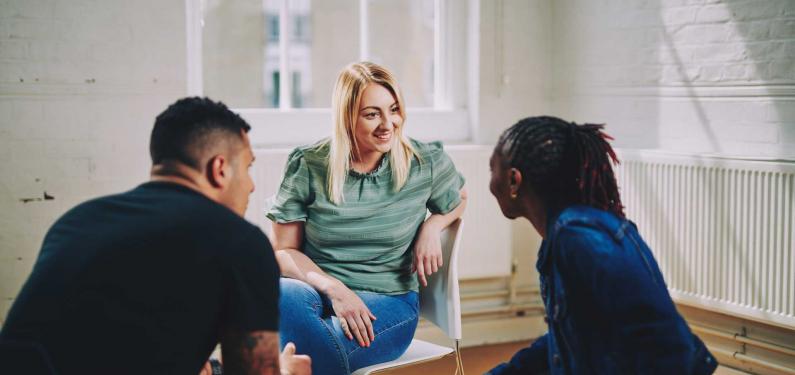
(345, 107)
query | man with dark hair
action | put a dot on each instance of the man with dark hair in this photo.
(150, 280)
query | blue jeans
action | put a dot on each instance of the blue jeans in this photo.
(308, 320)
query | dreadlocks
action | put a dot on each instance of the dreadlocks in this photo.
(565, 163)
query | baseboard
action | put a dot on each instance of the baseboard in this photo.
(488, 331)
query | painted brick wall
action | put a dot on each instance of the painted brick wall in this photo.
(81, 81)
(80, 85)
(515, 76)
(515, 72)
(700, 76)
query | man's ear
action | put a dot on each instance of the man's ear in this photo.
(217, 171)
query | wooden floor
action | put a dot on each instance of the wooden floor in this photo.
(478, 360)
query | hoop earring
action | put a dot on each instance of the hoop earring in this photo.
(514, 195)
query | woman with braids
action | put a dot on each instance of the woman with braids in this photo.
(607, 307)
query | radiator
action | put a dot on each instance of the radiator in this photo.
(486, 244)
(721, 229)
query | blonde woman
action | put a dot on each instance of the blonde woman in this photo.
(350, 228)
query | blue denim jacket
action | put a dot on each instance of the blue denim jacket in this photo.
(607, 306)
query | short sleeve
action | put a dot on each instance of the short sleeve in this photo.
(294, 192)
(252, 285)
(446, 181)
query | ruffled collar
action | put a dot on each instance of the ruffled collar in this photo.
(379, 170)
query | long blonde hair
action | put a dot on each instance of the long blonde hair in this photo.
(345, 107)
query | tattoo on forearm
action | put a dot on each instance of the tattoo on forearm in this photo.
(251, 353)
(251, 342)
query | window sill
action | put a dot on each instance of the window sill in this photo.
(289, 128)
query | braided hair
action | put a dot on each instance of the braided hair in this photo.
(565, 163)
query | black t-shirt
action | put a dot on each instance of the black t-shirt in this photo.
(145, 282)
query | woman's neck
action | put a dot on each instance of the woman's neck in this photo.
(534, 210)
(366, 163)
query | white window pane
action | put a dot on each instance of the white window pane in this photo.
(401, 37)
(324, 37)
(235, 37)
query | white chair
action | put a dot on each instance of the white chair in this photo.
(440, 303)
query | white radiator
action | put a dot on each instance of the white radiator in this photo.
(721, 229)
(486, 243)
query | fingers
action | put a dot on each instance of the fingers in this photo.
(362, 322)
(207, 369)
(428, 266)
(421, 273)
(355, 330)
(301, 365)
(289, 349)
(345, 328)
(369, 325)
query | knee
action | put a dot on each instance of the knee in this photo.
(297, 291)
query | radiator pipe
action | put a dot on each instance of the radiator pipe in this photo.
(742, 339)
(744, 358)
(498, 293)
(505, 309)
(512, 282)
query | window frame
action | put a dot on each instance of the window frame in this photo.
(448, 120)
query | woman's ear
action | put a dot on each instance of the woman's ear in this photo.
(217, 173)
(515, 181)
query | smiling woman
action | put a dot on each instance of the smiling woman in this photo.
(346, 216)
(367, 106)
(378, 119)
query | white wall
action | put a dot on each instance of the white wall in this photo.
(80, 85)
(515, 64)
(693, 76)
(81, 82)
(689, 76)
(515, 70)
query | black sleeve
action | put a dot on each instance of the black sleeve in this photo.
(252, 302)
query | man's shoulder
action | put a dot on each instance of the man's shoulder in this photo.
(169, 203)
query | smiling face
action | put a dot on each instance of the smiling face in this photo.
(377, 120)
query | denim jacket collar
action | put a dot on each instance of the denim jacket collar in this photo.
(591, 216)
(543, 251)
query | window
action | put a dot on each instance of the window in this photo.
(273, 28)
(276, 61)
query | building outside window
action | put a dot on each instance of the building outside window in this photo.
(245, 55)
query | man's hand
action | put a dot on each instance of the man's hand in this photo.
(294, 364)
(355, 318)
(207, 369)
(427, 252)
(208, 366)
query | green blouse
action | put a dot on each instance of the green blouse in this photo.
(365, 242)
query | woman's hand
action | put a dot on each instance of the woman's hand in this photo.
(427, 252)
(355, 318)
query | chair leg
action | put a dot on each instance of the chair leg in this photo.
(459, 362)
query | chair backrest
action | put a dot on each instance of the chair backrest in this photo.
(440, 301)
